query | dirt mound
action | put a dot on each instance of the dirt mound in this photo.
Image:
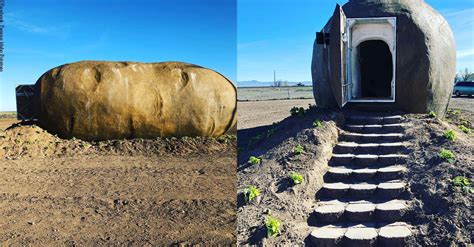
(32, 141)
(291, 205)
(441, 212)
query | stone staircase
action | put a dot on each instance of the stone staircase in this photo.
(361, 202)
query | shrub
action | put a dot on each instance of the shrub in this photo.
(296, 177)
(298, 149)
(297, 111)
(254, 160)
(317, 124)
(450, 135)
(465, 129)
(272, 225)
(446, 155)
(250, 193)
(432, 114)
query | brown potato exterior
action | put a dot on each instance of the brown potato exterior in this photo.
(94, 100)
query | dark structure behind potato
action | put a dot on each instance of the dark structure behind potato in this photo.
(367, 41)
(94, 100)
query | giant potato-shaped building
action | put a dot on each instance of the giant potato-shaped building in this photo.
(391, 54)
(94, 100)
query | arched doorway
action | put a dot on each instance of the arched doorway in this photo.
(375, 69)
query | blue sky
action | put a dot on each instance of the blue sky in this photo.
(43, 34)
(279, 35)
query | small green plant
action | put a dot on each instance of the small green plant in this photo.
(457, 111)
(298, 149)
(464, 183)
(317, 124)
(465, 129)
(446, 155)
(272, 225)
(297, 111)
(450, 135)
(254, 160)
(296, 177)
(432, 114)
(250, 193)
(460, 181)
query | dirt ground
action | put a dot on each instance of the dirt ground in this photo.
(274, 93)
(253, 114)
(123, 192)
(442, 212)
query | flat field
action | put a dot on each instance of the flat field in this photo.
(57, 192)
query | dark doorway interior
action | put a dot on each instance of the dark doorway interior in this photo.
(376, 69)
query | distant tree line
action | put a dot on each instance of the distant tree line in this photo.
(465, 75)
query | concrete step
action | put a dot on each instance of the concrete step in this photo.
(387, 147)
(361, 119)
(356, 211)
(364, 174)
(390, 189)
(370, 138)
(367, 159)
(367, 234)
(376, 128)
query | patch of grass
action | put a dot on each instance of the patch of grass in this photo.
(317, 124)
(297, 111)
(446, 155)
(432, 114)
(254, 160)
(465, 129)
(273, 226)
(296, 177)
(250, 193)
(450, 135)
(298, 149)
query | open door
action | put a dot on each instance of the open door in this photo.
(337, 56)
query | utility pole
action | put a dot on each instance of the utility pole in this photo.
(274, 78)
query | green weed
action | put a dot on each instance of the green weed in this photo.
(254, 160)
(464, 183)
(432, 114)
(446, 155)
(250, 193)
(298, 149)
(297, 111)
(317, 124)
(272, 225)
(460, 181)
(450, 135)
(465, 129)
(296, 177)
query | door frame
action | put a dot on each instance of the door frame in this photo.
(350, 23)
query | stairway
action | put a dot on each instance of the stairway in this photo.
(361, 202)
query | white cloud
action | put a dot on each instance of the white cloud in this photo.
(19, 21)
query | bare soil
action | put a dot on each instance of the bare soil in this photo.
(442, 212)
(253, 114)
(121, 192)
